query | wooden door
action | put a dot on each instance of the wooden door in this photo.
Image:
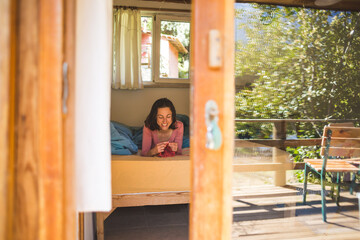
(210, 206)
(36, 146)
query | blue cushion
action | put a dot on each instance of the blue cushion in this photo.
(185, 120)
(121, 139)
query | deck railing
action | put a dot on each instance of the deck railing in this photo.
(279, 144)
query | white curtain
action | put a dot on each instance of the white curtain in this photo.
(126, 72)
(92, 104)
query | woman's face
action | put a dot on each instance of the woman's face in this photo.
(164, 118)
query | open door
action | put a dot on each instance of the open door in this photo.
(212, 133)
(37, 137)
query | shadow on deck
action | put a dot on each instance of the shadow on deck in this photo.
(269, 212)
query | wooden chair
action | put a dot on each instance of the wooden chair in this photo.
(338, 148)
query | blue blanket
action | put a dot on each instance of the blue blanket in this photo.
(122, 142)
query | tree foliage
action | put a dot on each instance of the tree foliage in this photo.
(305, 63)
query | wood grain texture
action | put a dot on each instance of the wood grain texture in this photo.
(11, 129)
(26, 202)
(332, 165)
(210, 207)
(69, 124)
(100, 218)
(50, 115)
(278, 142)
(345, 141)
(38, 199)
(343, 132)
(81, 226)
(146, 199)
(5, 61)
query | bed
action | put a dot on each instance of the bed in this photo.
(141, 181)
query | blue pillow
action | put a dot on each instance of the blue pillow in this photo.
(185, 120)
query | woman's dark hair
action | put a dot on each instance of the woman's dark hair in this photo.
(151, 122)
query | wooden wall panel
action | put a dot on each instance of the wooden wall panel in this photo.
(210, 207)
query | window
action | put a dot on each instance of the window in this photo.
(165, 47)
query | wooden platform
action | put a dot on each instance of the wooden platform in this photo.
(269, 212)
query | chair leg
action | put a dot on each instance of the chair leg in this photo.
(338, 189)
(332, 195)
(305, 183)
(352, 184)
(323, 200)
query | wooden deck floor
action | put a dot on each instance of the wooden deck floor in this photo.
(260, 212)
(269, 212)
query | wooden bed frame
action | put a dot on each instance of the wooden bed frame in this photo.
(128, 194)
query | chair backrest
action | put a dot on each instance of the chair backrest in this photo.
(343, 142)
(342, 124)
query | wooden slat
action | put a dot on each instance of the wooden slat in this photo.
(5, 62)
(49, 110)
(142, 199)
(332, 165)
(342, 152)
(100, 219)
(81, 226)
(277, 142)
(12, 118)
(343, 142)
(210, 208)
(353, 160)
(26, 162)
(259, 167)
(343, 132)
(39, 198)
(69, 123)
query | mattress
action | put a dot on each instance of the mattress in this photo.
(137, 174)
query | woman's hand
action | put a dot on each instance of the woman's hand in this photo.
(173, 146)
(160, 147)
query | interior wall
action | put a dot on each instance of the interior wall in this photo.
(132, 107)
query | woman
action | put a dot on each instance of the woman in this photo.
(162, 129)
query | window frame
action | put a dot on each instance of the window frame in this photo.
(157, 17)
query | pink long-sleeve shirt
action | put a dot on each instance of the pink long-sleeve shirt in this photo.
(150, 138)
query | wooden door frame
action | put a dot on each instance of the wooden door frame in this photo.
(70, 217)
(36, 154)
(6, 94)
(211, 201)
